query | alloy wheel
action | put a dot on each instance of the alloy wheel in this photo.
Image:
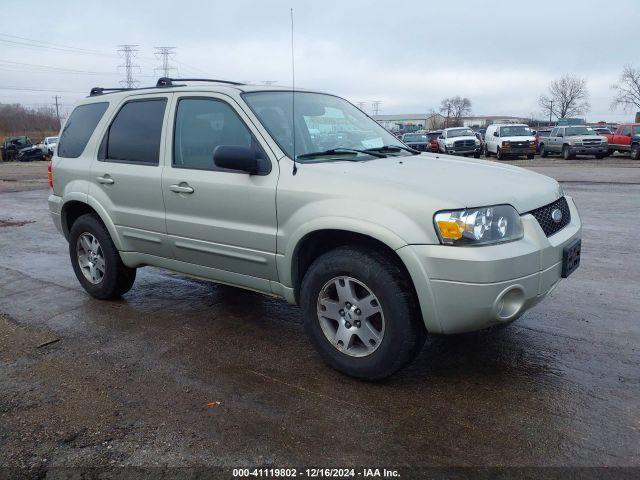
(90, 258)
(350, 316)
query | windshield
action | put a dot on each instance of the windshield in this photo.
(573, 131)
(322, 122)
(515, 131)
(460, 132)
(414, 137)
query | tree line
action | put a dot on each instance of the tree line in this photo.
(16, 119)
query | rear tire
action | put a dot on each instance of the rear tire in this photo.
(530, 156)
(96, 261)
(600, 156)
(330, 313)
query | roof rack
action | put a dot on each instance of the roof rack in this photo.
(101, 90)
(168, 82)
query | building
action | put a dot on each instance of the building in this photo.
(410, 122)
(483, 121)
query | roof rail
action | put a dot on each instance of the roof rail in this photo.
(168, 82)
(100, 90)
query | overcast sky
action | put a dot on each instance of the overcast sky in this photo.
(408, 55)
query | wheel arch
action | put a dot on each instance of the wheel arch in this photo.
(317, 242)
(72, 209)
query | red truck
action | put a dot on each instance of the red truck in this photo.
(625, 139)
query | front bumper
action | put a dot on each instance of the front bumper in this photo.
(589, 150)
(517, 151)
(462, 289)
(472, 151)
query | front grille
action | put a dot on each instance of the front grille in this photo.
(590, 143)
(548, 224)
(464, 144)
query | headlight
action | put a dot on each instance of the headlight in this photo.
(478, 226)
(532, 143)
(505, 144)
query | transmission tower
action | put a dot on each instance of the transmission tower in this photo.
(128, 52)
(164, 54)
(376, 106)
(362, 106)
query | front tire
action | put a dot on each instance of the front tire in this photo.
(566, 153)
(96, 261)
(360, 312)
(499, 155)
(530, 156)
(635, 152)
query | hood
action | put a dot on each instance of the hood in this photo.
(444, 181)
(465, 137)
(520, 138)
(580, 138)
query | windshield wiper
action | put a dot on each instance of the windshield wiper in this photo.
(340, 151)
(392, 148)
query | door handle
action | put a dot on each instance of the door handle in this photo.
(106, 180)
(183, 188)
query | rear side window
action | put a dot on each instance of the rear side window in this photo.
(134, 135)
(78, 129)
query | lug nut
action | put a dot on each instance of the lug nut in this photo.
(347, 324)
(341, 312)
(347, 304)
(358, 323)
(358, 311)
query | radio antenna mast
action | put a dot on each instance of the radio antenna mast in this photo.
(293, 99)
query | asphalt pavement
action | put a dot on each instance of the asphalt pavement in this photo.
(182, 372)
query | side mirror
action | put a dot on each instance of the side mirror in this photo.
(495, 134)
(234, 157)
(441, 137)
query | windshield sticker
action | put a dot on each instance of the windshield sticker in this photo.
(373, 143)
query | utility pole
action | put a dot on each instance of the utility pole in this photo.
(550, 111)
(128, 52)
(56, 97)
(376, 106)
(164, 54)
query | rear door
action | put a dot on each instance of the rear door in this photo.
(217, 218)
(126, 178)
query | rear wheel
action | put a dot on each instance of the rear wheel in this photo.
(360, 312)
(600, 156)
(96, 261)
(530, 156)
(635, 151)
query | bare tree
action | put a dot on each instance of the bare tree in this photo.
(567, 96)
(454, 108)
(627, 90)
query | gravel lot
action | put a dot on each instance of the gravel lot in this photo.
(186, 373)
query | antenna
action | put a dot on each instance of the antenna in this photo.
(293, 99)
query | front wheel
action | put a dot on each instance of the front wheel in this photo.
(530, 156)
(477, 154)
(360, 312)
(96, 261)
(566, 153)
(499, 154)
(635, 152)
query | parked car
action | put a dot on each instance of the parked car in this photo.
(574, 140)
(540, 135)
(417, 141)
(563, 122)
(48, 145)
(28, 154)
(509, 140)
(433, 139)
(602, 130)
(621, 139)
(459, 141)
(12, 145)
(378, 246)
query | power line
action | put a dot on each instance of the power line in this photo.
(128, 51)
(164, 54)
(51, 44)
(39, 89)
